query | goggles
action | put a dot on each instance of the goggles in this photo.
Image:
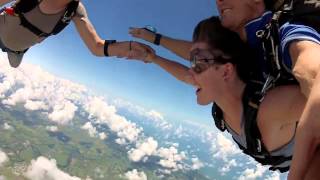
(201, 60)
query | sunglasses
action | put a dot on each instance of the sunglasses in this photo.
(201, 60)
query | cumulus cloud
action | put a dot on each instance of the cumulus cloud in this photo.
(35, 105)
(135, 175)
(6, 126)
(146, 148)
(224, 148)
(43, 168)
(171, 158)
(106, 114)
(63, 112)
(91, 130)
(273, 176)
(102, 136)
(38, 90)
(52, 128)
(227, 166)
(145, 114)
(251, 174)
(196, 163)
(3, 158)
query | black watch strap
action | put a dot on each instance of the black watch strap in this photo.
(106, 46)
(157, 39)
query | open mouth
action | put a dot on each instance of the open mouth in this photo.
(223, 11)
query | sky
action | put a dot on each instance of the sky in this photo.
(65, 55)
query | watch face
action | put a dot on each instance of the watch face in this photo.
(150, 28)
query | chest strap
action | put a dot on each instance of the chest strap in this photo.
(24, 6)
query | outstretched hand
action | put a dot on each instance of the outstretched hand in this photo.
(139, 51)
(142, 33)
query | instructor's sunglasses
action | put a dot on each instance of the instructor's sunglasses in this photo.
(201, 60)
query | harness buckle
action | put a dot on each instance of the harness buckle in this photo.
(259, 148)
(223, 126)
(66, 18)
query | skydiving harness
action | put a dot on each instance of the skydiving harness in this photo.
(24, 6)
(251, 100)
(306, 12)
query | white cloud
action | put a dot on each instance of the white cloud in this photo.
(106, 114)
(35, 105)
(252, 174)
(146, 148)
(63, 112)
(3, 158)
(224, 148)
(227, 166)
(102, 136)
(6, 126)
(273, 176)
(153, 115)
(43, 169)
(171, 159)
(52, 128)
(135, 175)
(92, 130)
(196, 163)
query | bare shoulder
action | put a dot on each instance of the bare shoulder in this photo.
(278, 114)
(81, 11)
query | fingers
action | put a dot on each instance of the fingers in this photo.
(141, 33)
(135, 32)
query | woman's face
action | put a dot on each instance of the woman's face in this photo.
(235, 14)
(207, 75)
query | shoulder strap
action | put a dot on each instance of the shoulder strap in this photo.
(251, 101)
(66, 18)
(24, 6)
(217, 115)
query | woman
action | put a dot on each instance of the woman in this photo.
(299, 47)
(29, 22)
(221, 77)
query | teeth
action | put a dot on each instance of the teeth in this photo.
(225, 11)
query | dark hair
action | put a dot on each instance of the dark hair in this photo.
(211, 31)
(269, 4)
(274, 5)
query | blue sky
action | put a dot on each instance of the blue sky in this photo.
(66, 56)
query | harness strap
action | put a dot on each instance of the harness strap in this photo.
(25, 23)
(23, 6)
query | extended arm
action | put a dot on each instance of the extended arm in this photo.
(3, 2)
(96, 45)
(178, 47)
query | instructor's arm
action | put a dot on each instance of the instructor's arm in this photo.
(92, 40)
(3, 2)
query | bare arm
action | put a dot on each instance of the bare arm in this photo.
(96, 45)
(177, 70)
(3, 2)
(305, 56)
(178, 47)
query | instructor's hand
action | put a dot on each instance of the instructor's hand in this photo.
(142, 33)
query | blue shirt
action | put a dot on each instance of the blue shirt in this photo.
(288, 34)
